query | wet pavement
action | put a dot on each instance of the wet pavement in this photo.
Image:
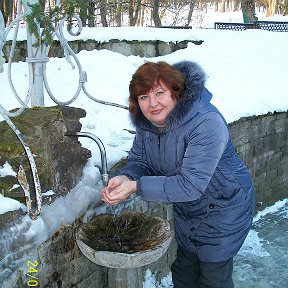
(262, 262)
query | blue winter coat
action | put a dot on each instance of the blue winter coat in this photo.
(193, 165)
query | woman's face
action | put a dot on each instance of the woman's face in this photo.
(157, 104)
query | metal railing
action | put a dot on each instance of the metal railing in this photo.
(33, 213)
(264, 25)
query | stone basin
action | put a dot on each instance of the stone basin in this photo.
(128, 240)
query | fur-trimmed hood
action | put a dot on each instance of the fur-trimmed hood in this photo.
(195, 79)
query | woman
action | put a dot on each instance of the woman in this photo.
(183, 154)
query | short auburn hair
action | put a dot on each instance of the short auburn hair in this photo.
(148, 75)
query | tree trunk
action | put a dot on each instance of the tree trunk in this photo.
(90, 14)
(134, 12)
(84, 15)
(228, 3)
(236, 5)
(6, 8)
(103, 13)
(222, 6)
(191, 8)
(118, 13)
(271, 8)
(155, 13)
(142, 14)
(285, 8)
(248, 11)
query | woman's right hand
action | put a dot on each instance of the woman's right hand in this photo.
(116, 181)
(118, 189)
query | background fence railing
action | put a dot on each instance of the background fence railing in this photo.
(264, 25)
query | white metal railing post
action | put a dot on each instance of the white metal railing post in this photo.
(2, 41)
(35, 60)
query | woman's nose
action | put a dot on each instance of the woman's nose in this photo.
(153, 101)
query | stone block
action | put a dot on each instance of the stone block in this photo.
(121, 47)
(56, 50)
(141, 206)
(143, 49)
(125, 278)
(268, 122)
(163, 48)
(150, 50)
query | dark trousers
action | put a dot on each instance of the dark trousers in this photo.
(190, 272)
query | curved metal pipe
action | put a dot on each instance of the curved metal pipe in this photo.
(22, 176)
(104, 172)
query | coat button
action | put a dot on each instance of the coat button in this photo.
(192, 229)
(151, 139)
(211, 206)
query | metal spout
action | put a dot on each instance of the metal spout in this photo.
(104, 170)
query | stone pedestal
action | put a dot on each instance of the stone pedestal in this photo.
(59, 159)
(125, 278)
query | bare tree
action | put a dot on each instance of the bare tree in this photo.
(143, 11)
(271, 8)
(87, 13)
(248, 11)
(191, 8)
(103, 12)
(222, 6)
(236, 6)
(155, 13)
(118, 14)
(134, 8)
(8, 9)
(285, 8)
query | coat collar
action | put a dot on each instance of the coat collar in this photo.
(195, 96)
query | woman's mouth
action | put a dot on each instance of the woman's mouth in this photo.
(155, 112)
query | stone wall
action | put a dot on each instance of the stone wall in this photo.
(138, 48)
(262, 142)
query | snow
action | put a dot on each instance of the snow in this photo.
(246, 71)
(7, 170)
(274, 208)
(8, 204)
(150, 280)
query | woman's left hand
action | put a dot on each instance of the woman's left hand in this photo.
(114, 195)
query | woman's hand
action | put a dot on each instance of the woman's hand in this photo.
(119, 188)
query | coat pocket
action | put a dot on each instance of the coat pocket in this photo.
(233, 218)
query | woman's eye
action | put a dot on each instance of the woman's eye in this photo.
(143, 97)
(159, 93)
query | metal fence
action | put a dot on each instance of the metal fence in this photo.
(263, 25)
